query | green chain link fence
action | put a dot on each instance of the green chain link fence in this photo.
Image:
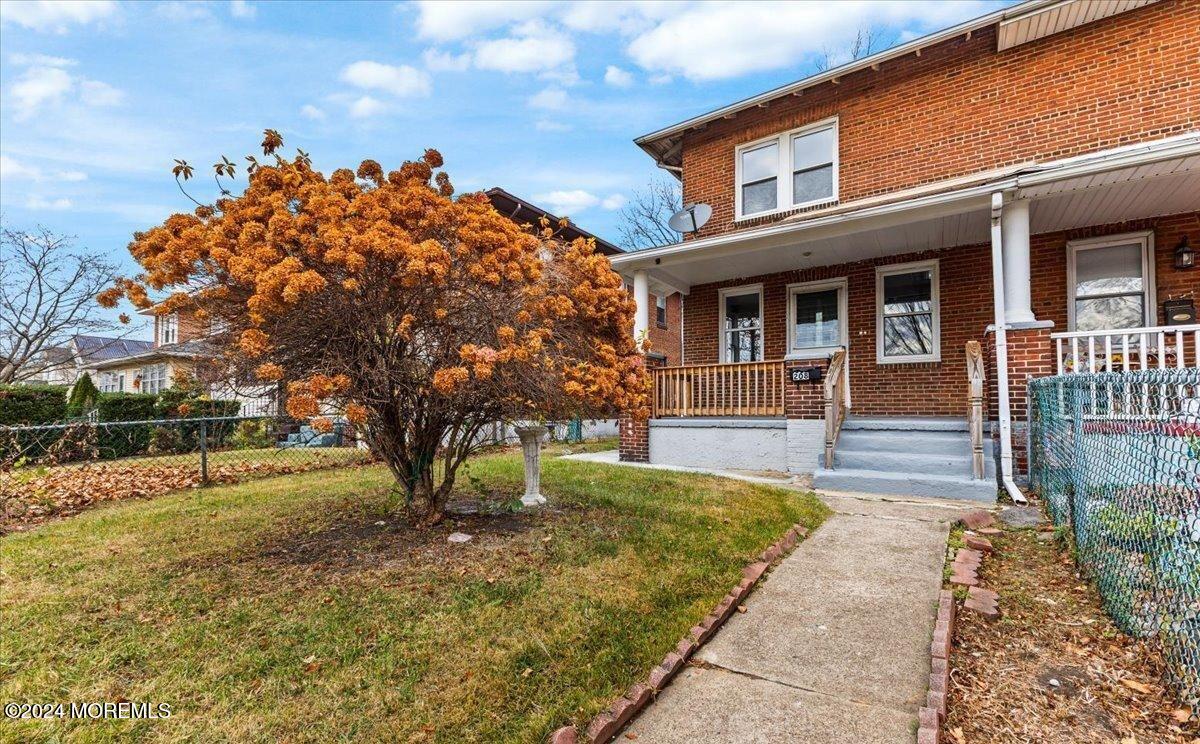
(1116, 458)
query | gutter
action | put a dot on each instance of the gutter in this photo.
(1005, 413)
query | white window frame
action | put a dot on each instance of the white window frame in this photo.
(745, 289)
(168, 329)
(931, 265)
(842, 286)
(162, 382)
(111, 382)
(783, 186)
(1143, 237)
(660, 303)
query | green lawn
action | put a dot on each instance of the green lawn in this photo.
(282, 610)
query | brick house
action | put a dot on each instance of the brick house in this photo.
(1023, 184)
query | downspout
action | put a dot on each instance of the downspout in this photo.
(1005, 413)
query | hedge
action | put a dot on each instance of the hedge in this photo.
(126, 406)
(32, 404)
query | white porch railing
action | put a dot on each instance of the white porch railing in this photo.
(1127, 349)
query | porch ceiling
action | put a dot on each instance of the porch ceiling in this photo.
(1061, 198)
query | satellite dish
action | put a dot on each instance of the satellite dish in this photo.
(691, 218)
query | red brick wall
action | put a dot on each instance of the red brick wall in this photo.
(664, 339)
(929, 389)
(962, 107)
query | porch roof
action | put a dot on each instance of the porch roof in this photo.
(1132, 182)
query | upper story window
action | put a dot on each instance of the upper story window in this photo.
(1109, 282)
(807, 158)
(168, 329)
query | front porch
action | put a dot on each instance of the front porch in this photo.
(891, 311)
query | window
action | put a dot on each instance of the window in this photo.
(816, 318)
(1110, 284)
(154, 379)
(168, 329)
(111, 382)
(806, 157)
(660, 310)
(908, 323)
(741, 324)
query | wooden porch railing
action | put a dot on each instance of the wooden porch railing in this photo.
(739, 389)
(975, 406)
(836, 403)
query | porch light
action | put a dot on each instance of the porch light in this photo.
(1185, 255)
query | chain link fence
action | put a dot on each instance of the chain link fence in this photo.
(59, 469)
(1116, 457)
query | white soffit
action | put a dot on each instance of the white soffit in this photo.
(1062, 16)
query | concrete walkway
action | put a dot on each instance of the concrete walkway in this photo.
(834, 646)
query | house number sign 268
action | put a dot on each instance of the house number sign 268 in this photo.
(806, 374)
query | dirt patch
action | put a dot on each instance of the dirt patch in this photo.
(1054, 668)
(366, 542)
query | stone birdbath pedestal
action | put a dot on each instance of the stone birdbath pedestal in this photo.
(531, 446)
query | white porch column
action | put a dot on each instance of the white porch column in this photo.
(641, 295)
(1014, 231)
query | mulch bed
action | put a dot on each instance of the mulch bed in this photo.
(1053, 668)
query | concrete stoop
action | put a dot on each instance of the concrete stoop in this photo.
(895, 456)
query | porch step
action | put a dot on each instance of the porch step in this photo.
(905, 423)
(906, 484)
(906, 462)
(907, 456)
(910, 442)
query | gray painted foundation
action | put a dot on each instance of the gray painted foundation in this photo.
(765, 444)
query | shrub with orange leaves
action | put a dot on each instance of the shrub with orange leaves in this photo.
(422, 316)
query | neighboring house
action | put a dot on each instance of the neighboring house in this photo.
(664, 333)
(178, 350)
(66, 363)
(1037, 168)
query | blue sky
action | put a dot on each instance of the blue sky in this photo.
(97, 98)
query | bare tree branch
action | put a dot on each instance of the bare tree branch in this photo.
(47, 293)
(644, 219)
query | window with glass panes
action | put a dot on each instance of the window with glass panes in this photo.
(815, 316)
(1109, 283)
(793, 169)
(907, 321)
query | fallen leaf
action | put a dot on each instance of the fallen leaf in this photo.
(1183, 715)
(957, 733)
(527, 672)
(1133, 684)
(741, 608)
(309, 659)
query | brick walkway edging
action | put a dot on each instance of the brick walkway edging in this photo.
(964, 572)
(609, 723)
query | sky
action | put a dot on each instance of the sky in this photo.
(98, 98)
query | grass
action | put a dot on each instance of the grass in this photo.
(299, 608)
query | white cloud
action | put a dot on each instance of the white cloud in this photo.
(37, 86)
(613, 202)
(14, 170)
(565, 203)
(617, 77)
(96, 93)
(182, 11)
(40, 86)
(242, 9)
(546, 125)
(309, 111)
(447, 21)
(366, 107)
(532, 47)
(399, 80)
(660, 79)
(55, 15)
(40, 60)
(715, 41)
(39, 202)
(440, 61)
(551, 99)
